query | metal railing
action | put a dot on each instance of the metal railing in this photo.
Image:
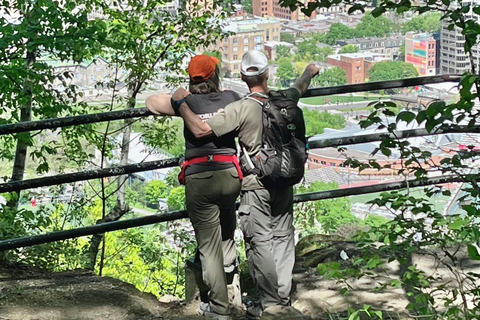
(120, 170)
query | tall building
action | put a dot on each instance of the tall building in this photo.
(420, 51)
(271, 8)
(356, 65)
(247, 34)
(453, 58)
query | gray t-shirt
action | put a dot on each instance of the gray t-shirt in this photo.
(245, 118)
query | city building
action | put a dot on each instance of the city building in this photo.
(246, 34)
(453, 58)
(272, 8)
(387, 46)
(441, 146)
(271, 48)
(420, 51)
(356, 65)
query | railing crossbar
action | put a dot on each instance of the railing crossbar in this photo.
(143, 112)
(170, 216)
(168, 163)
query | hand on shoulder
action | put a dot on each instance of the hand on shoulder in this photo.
(180, 93)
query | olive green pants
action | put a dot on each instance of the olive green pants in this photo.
(210, 198)
(266, 219)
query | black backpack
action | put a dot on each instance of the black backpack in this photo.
(282, 157)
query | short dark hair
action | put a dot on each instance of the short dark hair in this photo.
(209, 86)
(253, 81)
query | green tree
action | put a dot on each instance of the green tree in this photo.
(349, 48)
(31, 88)
(247, 6)
(283, 52)
(308, 50)
(287, 37)
(330, 214)
(215, 54)
(285, 72)
(371, 26)
(139, 187)
(154, 191)
(176, 198)
(337, 31)
(316, 121)
(331, 77)
(428, 22)
(392, 70)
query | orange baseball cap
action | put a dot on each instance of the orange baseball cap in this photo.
(202, 67)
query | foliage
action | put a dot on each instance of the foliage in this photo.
(155, 190)
(172, 178)
(283, 52)
(428, 22)
(176, 198)
(138, 187)
(392, 70)
(316, 121)
(216, 54)
(308, 50)
(285, 72)
(337, 31)
(349, 48)
(247, 6)
(323, 216)
(31, 87)
(330, 77)
(287, 37)
(371, 26)
(146, 258)
(162, 134)
(418, 227)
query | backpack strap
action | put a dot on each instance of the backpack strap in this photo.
(257, 96)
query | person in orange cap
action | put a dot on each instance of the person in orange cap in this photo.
(212, 179)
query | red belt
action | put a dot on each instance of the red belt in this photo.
(210, 158)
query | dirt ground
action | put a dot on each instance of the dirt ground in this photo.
(28, 293)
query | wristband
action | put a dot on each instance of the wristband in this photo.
(176, 105)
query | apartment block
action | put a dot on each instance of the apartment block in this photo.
(420, 51)
(453, 59)
(387, 46)
(272, 8)
(356, 65)
(248, 34)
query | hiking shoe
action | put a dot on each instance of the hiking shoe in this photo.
(204, 310)
(202, 307)
(254, 312)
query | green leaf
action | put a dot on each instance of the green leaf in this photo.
(406, 116)
(473, 252)
(457, 224)
(355, 315)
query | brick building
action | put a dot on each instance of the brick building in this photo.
(271, 8)
(356, 65)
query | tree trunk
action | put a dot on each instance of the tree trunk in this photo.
(22, 142)
(120, 206)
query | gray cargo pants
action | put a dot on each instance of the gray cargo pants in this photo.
(266, 218)
(210, 198)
